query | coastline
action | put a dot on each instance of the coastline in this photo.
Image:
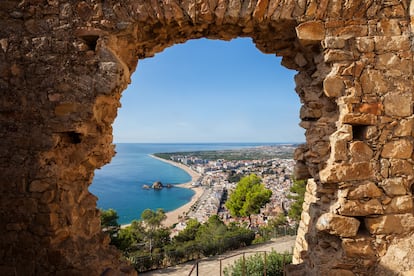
(172, 216)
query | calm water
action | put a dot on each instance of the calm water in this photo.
(118, 185)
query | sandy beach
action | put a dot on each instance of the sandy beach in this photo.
(172, 216)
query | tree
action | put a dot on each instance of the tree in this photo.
(130, 238)
(249, 196)
(298, 195)
(189, 233)
(210, 236)
(109, 218)
(152, 219)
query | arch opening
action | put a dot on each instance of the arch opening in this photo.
(203, 91)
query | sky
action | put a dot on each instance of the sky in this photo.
(206, 91)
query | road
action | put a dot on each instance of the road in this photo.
(211, 266)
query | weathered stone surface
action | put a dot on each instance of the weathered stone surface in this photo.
(347, 172)
(373, 81)
(390, 224)
(312, 31)
(367, 190)
(398, 257)
(400, 204)
(333, 86)
(393, 43)
(394, 186)
(358, 248)
(396, 104)
(338, 225)
(339, 140)
(359, 119)
(361, 208)
(365, 44)
(401, 149)
(400, 167)
(404, 128)
(336, 55)
(360, 151)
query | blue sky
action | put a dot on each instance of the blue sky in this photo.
(210, 91)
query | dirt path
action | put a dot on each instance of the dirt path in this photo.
(211, 266)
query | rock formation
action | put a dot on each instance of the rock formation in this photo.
(64, 64)
(157, 185)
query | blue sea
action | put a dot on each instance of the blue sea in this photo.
(118, 185)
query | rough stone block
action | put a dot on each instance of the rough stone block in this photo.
(393, 43)
(373, 81)
(311, 32)
(400, 204)
(361, 208)
(390, 224)
(359, 119)
(333, 86)
(333, 42)
(400, 149)
(367, 190)
(338, 225)
(358, 248)
(365, 44)
(404, 128)
(399, 256)
(389, 27)
(400, 167)
(335, 55)
(370, 108)
(360, 151)
(339, 150)
(347, 172)
(351, 30)
(394, 186)
(397, 104)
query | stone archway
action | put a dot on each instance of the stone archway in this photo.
(64, 64)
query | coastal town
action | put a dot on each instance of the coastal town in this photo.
(214, 179)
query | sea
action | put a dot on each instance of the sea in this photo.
(119, 184)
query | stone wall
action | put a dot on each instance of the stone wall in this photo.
(64, 65)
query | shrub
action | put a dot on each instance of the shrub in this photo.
(255, 265)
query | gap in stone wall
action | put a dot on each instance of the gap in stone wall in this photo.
(216, 82)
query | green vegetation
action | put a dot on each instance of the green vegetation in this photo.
(273, 263)
(109, 218)
(152, 221)
(147, 244)
(249, 196)
(275, 227)
(263, 153)
(297, 194)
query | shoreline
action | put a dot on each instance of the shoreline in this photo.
(172, 216)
